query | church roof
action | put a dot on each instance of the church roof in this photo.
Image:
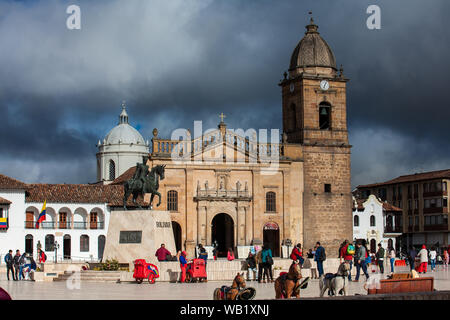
(123, 133)
(10, 183)
(312, 51)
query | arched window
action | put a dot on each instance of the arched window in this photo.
(49, 242)
(84, 243)
(271, 203)
(112, 170)
(372, 221)
(172, 200)
(356, 221)
(324, 116)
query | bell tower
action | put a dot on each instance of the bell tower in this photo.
(315, 118)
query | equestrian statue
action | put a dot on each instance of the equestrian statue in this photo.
(142, 182)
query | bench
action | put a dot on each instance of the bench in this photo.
(403, 283)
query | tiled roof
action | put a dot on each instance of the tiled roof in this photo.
(440, 174)
(10, 183)
(359, 204)
(4, 201)
(124, 176)
(390, 207)
(78, 193)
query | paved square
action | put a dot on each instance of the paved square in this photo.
(168, 291)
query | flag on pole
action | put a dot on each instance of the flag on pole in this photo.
(41, 215)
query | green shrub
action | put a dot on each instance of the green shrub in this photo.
(110, 265)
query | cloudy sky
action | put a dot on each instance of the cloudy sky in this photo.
(176, 61)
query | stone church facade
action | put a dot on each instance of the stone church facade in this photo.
(222, 188)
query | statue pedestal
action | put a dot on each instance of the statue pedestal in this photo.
(137, 234)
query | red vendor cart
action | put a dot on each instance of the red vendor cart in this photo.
(144, 270)
(196, 271)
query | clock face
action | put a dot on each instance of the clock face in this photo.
(292, 87)
(324, 85)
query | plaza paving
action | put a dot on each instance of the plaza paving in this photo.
(167, 291)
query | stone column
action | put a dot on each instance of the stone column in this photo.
(191, 219)
(241, 225)
(201, 224)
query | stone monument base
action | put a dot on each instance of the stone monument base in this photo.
(137, 234)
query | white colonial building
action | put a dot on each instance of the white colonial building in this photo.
(121, 149)
(375, 221)
(76, 222)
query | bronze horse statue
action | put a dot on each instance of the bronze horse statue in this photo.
(148, 182)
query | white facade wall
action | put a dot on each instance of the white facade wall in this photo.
(14, 237)
(372, 207)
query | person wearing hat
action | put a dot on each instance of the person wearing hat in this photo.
(183, 266)
(423, 256)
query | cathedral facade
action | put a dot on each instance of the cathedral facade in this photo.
(225, 187)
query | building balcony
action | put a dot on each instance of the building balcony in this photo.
(436, 227)
(434, 194)
(80, 225)
(396, 229)
(222, 194)
(97, 225)
(435, 210)
(64, 225)
(42, 225)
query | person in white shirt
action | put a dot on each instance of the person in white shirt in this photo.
(392, 258)
(423, 257)
(432, 256)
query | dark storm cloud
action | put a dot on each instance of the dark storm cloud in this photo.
(179, 61)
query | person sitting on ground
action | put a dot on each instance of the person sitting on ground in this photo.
(230, 255)
(162, 253)
(30, 268)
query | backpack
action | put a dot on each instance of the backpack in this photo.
(323, 256)
(350, 249)
(45, 257)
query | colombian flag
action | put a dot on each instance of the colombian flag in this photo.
(41, 215)
(3, 223)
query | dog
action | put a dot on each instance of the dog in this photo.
(335, 283)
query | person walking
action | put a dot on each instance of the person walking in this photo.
(16, 264)
(446, 258)
(412, 253)
(319, 257)
(432, 256)
(183, 266)
(392, 258)
(380, 257)
(9, 260)
(347, 252)
(423, 256)
(360, 260)
(251, 267)
(258, 260)
(267, 260)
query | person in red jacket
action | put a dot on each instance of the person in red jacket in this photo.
(297, 254)
(347, 257)
(162, 253)
(42, 256)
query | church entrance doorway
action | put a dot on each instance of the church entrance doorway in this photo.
(67, 251)
(223, 233)
(177, 235)
(373, 246)
(271, 237)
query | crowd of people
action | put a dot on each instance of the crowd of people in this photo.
(22, 266)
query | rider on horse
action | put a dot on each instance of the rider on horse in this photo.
(141, 170)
